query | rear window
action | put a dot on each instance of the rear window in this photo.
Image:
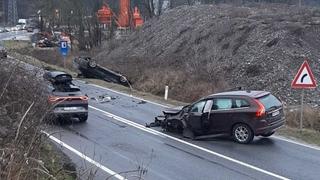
(270, 101)
(65, 88)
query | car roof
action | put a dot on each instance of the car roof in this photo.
(253, 94)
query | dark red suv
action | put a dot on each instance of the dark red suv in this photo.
(241, 114)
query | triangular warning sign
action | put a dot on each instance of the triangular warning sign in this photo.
(304, 78)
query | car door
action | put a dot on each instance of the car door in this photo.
(198, 116)
(195, 115)
(220, 115)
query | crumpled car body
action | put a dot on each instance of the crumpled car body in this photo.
(173, 119)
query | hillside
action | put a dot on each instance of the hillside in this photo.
(198, 50)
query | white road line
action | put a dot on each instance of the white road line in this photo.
(152, 131)
(131, 96)
(107, 170)
(297, 143)
(167, 106)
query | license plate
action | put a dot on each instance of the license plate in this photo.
(70, 108)
(275, 113)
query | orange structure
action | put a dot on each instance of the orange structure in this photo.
(124, 14)
(105, 15)
(125, 19)
(137, 19)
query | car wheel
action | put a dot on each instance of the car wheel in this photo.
(92, 64)
(267, 134)
(242, 133)
(83, 118)
(123, 79)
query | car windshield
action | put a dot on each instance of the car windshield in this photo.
(270, 101)
(65, 88)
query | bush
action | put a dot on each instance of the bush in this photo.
(311, 118)
(22, 107)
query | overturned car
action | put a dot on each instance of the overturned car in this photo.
(90, 69)
(241, 114)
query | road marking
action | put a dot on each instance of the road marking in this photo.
(131, 96)
(167, 106)
(157, 133)
(297, 143)
(107, 170)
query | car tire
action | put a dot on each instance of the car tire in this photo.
(123, 79)
(267, 134)
(92, 64)
(83, 118)
(242, 133)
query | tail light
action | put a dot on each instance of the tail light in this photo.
(84, 98)
(55, 99)
(261, 110)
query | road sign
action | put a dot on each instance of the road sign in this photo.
(304, 79)
(64, 48)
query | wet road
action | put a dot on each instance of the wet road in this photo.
(114, 137)
(17, 35)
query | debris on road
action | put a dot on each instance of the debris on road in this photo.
(103, 98)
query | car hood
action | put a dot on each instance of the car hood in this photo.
(174, 110)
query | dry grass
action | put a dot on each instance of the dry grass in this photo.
(23, 108)
(311, 118)
(305, 135)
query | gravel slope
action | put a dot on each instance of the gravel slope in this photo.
(220, 47)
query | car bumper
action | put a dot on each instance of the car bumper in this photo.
(269, 127)
(60, 112)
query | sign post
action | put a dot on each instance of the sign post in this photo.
(64, 51)
(304, 79)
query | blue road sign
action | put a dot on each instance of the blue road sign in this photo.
(64, 48)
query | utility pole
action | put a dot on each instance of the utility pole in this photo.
(12, 12)
(2, 12)
(299, 3)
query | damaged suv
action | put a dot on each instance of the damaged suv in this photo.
(241, 114)
(66, 98)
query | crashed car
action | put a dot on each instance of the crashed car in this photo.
(3, 52)
(45, 43)
(241, 114)
(30, 29)
(90, 69)
(66, 98)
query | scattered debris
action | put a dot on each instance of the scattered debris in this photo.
(142, 102)
(103, 98)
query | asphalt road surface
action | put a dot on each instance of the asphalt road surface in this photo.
(16, 35)
(114, 140)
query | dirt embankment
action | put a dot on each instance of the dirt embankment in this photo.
(198, 50)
